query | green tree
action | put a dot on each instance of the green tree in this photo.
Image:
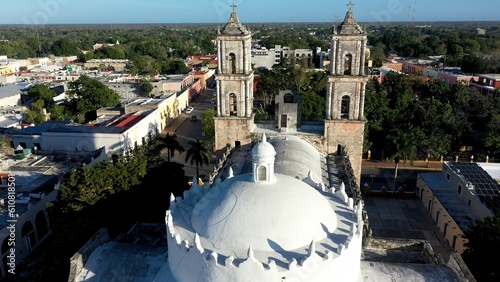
(377, 54)
(208, 124)
(473, 64)
(170, 143)
(64, 47)
(42, 91)
(89, 95)
(313, 106)
(492, 138)
(483, 240)
(36, 113)
(198, 154)
(59, 112)
(146, 87)
(5, 142)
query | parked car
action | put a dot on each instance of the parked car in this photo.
(189, 110)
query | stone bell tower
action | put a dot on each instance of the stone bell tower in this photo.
(345, 121)
(234, 118)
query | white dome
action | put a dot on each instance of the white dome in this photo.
(263, 149)
(287, 214)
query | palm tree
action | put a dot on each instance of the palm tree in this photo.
(198, 154)
(170, 143)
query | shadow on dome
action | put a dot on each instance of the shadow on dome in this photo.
(288, 255)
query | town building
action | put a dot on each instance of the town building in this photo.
(117, 134)
(33, 183)
(202, 62)
(10, 95)
(486, 83)
(262, 58)
(117, 65)
(460, 194)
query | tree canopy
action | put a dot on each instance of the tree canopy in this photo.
(42, 91)
(199, 154)
(89, 94)
(410, 118)
(483, 240)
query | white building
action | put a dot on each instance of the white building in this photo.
(10, 95)
(265, 225)
(264, 58)
(125, 132)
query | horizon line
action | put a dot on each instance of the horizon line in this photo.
(218, 23)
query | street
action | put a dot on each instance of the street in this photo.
(187, 130)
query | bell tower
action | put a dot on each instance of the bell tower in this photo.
(345, 121)
(234, 118)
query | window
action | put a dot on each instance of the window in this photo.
(437, 217)
(233, 107)
(348, 64)
(445, 229)
(28, 234)
(459, 190)
(469, 202)
(447, 176)
(344, 109)
(288, 98)
(232, 63)
(262, 173)
(454, 243)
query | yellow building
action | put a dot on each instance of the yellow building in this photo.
(458, 195)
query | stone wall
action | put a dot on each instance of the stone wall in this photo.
(348, 134)
(229, 130)
(78, 260)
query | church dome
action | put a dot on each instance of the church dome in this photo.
(263, 149)
(266, 226)
(287, 214)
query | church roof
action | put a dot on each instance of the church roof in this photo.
(243, 214)
(349, 26)
(234, 27)
(263, 149)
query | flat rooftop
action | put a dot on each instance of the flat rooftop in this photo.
(116, 126)
(492, 76)
(449, 198)
(10, 90)
(34, 177)
(143, 102)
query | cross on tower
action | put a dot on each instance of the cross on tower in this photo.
(234, 7)
(350, 5)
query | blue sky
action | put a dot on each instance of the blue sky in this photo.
(217, 11)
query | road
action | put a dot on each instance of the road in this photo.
(189, 130)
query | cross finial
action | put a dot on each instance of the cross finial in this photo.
(350, 5)
(234, 7)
